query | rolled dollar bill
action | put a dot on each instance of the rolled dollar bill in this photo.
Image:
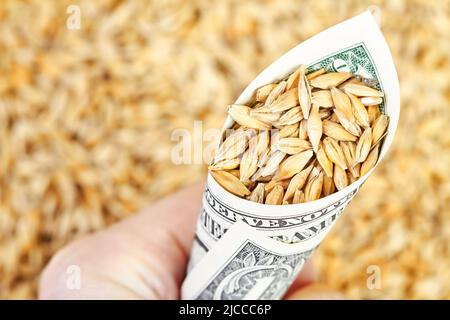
(249, 250)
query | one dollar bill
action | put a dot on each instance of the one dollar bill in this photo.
(246, 250)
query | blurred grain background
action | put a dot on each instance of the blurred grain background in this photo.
(86, 117)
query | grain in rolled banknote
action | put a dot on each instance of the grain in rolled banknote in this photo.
(302, 138)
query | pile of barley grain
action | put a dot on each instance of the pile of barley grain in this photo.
(86, 117)
(302, 138)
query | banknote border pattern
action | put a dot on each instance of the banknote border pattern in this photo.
(282, 222)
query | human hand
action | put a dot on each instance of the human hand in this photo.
(144, 257)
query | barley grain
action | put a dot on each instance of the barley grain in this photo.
(271, 184)
(350, 126)
(292, 81)
(297, 182)
(334, 152)
(362, 90)
(263, 92)
(373, 112)
(322, 98)
(275, 93)
(363, 146)
(293, 165)
(293, 145)
(329, 80)
(302, 130)
(273, 163)
(336, 131)
(371, 101)
(248, 164)
(304, 93)
(342, 103)
(230, 183)
(370, 161)
(293, 116)
(275, 197)
(313, 189)
(257, 194)
(359, 111)
(314, 128)
(315, 74)
(286, 101)
(299, 197)
(340, 178)
(266, 117)
(379, 128)
(287, 131)
(324, 162)
(225, 164)
(241, 114)
(328, 185)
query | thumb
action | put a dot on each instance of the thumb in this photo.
(315, 292)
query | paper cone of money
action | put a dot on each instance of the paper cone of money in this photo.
(250, 250)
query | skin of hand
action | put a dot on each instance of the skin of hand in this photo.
(144, 257)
